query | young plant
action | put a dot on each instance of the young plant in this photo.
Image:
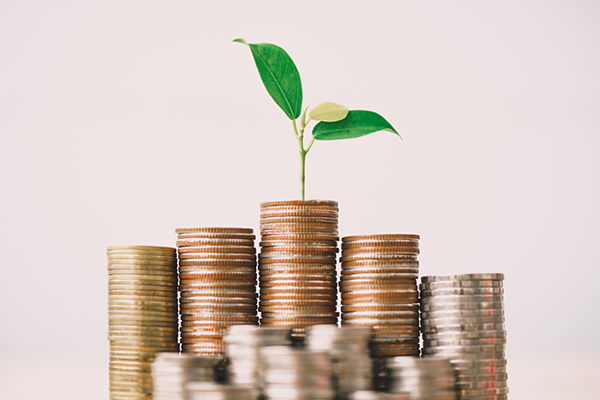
(282, 81)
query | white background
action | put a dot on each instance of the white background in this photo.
(123, 120)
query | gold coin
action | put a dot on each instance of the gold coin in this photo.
(143, 249)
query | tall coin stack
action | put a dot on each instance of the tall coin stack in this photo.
(217, 271)
(291, 373)
(172, 372)
(421, 378)
(463, 320)
(379, 289)
(349, 351)
(297, 263)
(142, 315)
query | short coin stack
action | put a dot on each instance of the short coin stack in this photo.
(244, 344)
(172, 372)
(217, 271)
(349, 351)
(379, 289)
(463, 320)
(421, 378)
(291, 373)
(297, 263)
(142, 315)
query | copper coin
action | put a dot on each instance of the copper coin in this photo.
(299, 203)
(377, 237)
(380, 243)
(379, 250)
(307, 290)
(217, 256)
(367, 306)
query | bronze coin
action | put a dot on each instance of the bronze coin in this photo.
(377, 237)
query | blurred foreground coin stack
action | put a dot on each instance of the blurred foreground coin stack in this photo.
(173, 372)
(348, 349)
(421, 378)
(463, 320)
(297, 263)
(142, 315)
(244, 345)
(294, 373)
(379, 289)
(217, 271)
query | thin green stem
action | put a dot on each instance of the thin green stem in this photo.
(300, 138)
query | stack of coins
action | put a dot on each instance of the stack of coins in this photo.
(421, 378)
(215, 391)
(379, 289)
(291, 373)
(463, 320)
(171, 373)
(142, 315)
(349, 352)
(297, 263)
(217, 271)
(244, 344)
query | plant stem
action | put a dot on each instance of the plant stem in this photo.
(300, 138)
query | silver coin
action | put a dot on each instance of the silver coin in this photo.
(468, 277)
(463, 306)
(464, 327)
(460, 284)
(441, 314)
(459, 299)
(458, 319)
(461, 291)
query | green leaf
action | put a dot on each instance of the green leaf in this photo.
(328, 112)
(356, 124)
(279, 75)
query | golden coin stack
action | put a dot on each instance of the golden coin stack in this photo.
(297, 263)
(217, 272)
(142, 315)
(379, 289)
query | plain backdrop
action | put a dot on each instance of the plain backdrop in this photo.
(121, 120)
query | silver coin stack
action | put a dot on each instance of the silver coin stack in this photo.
(463, 320)
(142, 315)
(292, 373)
(215, 391)
(297, 263)
(421, 378)
(172, 372)
(217, 271)
(243, 348)
(348, 348)
(379, 289)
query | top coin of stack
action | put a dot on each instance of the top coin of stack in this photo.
(463, 320)
(297, 263)
(379, 288)
(217, 271)
(142, 315)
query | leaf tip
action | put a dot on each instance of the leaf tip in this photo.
(240, 40)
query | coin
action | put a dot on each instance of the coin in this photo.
(468, 277)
